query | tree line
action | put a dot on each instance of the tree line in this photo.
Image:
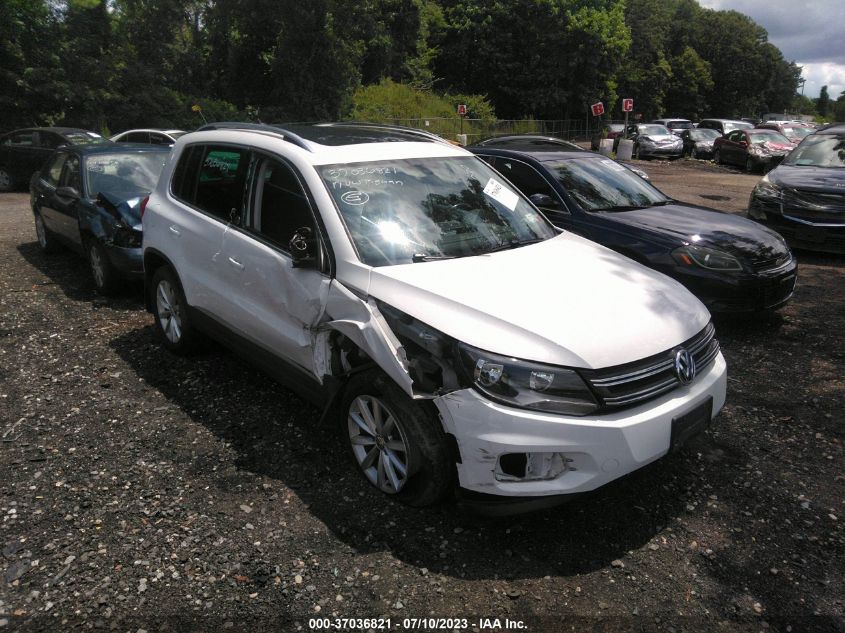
(110, 65)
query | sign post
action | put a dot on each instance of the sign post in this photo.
(627, 106)
(462, 112)
(598, 110)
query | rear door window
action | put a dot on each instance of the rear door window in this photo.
(53, 172)
(213, 179)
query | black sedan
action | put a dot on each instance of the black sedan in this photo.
(729, 262)
(803, 198)
(89, 198)
(23, 152)
(698, 143)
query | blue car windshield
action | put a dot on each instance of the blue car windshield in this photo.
(419, 209)
(123, 174)
(601, 184)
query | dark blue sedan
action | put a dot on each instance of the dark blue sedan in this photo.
(89, 198)
(730, 263)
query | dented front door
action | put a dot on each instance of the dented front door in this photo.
(274, 304)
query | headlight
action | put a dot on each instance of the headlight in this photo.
(758, 150)
(767, 189)
(528, 385)
(709, 258)
(704, 146)
(644, 140)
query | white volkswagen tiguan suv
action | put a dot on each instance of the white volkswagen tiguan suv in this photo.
(409, 290)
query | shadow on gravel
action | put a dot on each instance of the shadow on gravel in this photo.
(70, 272)
(276, 435)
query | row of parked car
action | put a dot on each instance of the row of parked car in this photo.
(726, 141)
(525, 319)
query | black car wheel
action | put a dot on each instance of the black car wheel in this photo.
(45, 238)
(104, 274)
(750, 167)
(693, 153)
(172, 320)
(397, 444)
(717, 157)
(7, 182)
(636, 152)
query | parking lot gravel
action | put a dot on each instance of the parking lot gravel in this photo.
(144, 492)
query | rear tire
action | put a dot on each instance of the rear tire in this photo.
(104, 274)
(7, 181)
(717, 157)
(749, 165)
(397, 444)
(172, 319)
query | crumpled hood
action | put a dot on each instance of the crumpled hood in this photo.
(809, 178)
(125, 206)
(566, 301)
(660, 138)
(743, 238)
(775, 148)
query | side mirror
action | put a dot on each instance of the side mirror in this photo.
(68, 192)
(544, 200)
(303, 248)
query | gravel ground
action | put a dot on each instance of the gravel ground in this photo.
(144, 492)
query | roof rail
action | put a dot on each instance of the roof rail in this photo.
(257, 127)
(386, 126)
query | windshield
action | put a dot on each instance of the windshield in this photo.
(680, 125)
(819, 150)
(767, 137)
(797, 131)
(600, 184)
(736, 125)
(175, 135)
(127, 174)
(412, 210)
(704, 134)
(654, 130)
(83, 138)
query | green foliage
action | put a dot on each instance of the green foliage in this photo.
(823, 102)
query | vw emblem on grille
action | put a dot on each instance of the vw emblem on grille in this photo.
(684, 366)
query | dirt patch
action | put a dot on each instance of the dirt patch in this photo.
(143, 491)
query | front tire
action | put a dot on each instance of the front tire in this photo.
(749, 165)
(397, 444)
(104, 274)
(172, 320)
(45, 238)
(717, 157)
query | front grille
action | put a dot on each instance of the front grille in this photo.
(770, 262)
(642, 380)
(814, 208)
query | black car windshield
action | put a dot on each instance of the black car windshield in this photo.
(796, 131)
(412, 210)
(123, 174)
(83, 138)
(819, 150)
(679, 125)
(704, 134)
(729, 126)
(600, 184)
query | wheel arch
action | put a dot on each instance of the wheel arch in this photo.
(153, 260)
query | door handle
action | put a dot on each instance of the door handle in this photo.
(236, 263)
(175, 230)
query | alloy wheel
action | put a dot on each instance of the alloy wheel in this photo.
(169, 311)
(378, 443)
(97, 265)
(5, 180)
(40, 231)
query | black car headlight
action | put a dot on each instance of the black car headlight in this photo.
(767, 189)
(706, 257)
(528, 385)
(645, 140)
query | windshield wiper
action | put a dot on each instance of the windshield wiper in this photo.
(513, 243)
(422, 257)
(621, 208)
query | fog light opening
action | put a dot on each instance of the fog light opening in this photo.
(531, 466)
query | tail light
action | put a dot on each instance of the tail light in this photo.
(144, 205)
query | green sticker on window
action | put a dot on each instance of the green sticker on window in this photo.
(219, 165)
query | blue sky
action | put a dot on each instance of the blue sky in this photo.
(810, 32)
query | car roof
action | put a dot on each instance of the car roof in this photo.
(541, 156)
(671, 120)
(832, 128)
(529, 141)
(57, 130)
(149, 129)
(327, 143)
(115, 148)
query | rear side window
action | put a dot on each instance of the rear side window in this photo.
(54, 170)
(212, 178)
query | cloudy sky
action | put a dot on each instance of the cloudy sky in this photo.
(808, 32)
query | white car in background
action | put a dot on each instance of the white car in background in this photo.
(152, 136)
(432, 312)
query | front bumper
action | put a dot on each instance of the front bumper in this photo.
(601, 448)
(730, 293)
(658, 150)
(824, 237)
(128, 262)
